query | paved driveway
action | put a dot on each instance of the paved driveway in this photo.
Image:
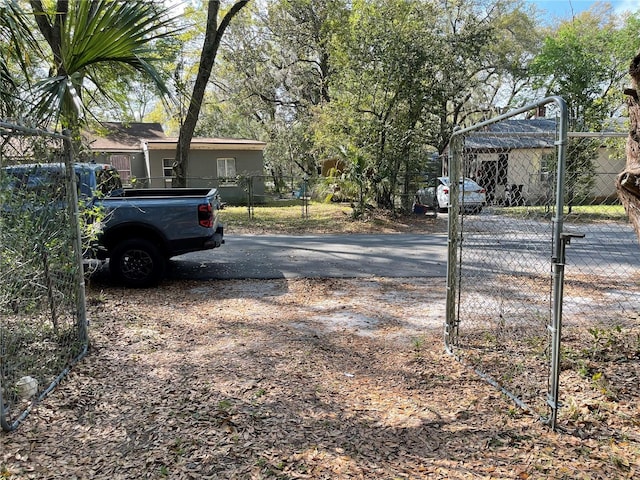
(313, 256)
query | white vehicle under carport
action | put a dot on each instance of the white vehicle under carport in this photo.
(472, 197)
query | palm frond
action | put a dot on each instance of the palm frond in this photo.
(16, 44)
(100, 32)
(113, 32)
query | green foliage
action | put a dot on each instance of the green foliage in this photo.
(16, 44)
(604, 339)
(376, 107)
(586, 62)
(36, 239)
(405, 73)
(336, 187)
(33, 234)
(274, 71)
(580, 170)
(83, 58)
(386, 81)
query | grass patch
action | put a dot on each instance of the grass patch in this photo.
(594, 213)
(579, 213)
(293, 219)
(322, 218)
(285, 218)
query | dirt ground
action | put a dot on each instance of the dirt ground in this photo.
(288, 379)
(315, 379)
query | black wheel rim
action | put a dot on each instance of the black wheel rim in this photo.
(136, 264)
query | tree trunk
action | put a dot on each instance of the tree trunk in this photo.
(52, 33)
(628, 183)
(213, 36)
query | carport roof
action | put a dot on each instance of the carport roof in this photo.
(514, 134)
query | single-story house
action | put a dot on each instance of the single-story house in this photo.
(145, 156)
(522, 153)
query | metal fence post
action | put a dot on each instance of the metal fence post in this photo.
(74, 214)
(558, 260)
(455, 156)
(249, 182)
(488, 290)
(305, 197)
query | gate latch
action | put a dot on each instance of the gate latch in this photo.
(566, 237)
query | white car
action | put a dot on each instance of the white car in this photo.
(472, 196)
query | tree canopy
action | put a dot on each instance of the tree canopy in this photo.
(376, 86)
(586, 61)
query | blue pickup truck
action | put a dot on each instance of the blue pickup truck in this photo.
(141, 228)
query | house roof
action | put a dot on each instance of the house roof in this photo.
(514, 134)
(116, 136)
(120, 137)
(208, 144)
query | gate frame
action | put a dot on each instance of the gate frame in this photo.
(81, 308)
(560, 240)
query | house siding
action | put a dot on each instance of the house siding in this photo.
(525, 170)
(146, 145)
(138, 168)
(203, 170)
(610, 163)
(525, 142)
(522, 168)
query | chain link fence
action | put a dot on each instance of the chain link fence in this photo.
(301, 190)
(550, 257)
(43, 327)
(261, 190)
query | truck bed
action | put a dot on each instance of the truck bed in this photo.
(165, 192)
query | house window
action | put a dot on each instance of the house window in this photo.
(167, 170)
(226, 171)
(123, 165)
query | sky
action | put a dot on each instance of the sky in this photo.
(563, 9)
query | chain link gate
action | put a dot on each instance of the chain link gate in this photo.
(510, 300)
(43, 327)
(505, 274)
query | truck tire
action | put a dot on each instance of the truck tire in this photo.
(137, 263)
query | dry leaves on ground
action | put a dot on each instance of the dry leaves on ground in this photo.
(287, 379)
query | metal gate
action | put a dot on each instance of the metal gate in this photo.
(550, 256)
(505, 275)
(43, 325)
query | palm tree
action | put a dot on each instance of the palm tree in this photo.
(16, 39)
(88, 39)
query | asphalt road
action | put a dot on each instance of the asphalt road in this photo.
(316, 256)
(512, 247)
(611, 247)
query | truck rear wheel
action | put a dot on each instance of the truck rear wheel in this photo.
(137, 263)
